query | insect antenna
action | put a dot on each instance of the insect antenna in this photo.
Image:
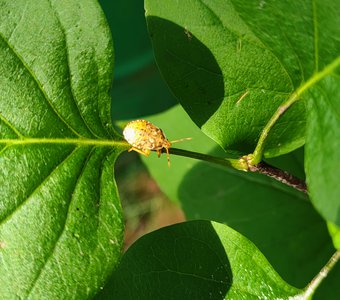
(168, 146)
(181, 140)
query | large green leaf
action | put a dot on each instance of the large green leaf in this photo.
(232, 63)
(60, 217)
(322, 148)
(279, 220)
(196, 260)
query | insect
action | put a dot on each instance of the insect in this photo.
(143, 136)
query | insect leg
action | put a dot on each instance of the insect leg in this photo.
(168, 156)
(145, 152)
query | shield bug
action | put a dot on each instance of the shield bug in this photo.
(144, 136)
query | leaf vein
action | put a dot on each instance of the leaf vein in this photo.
(38, 83)
(16, 131)
(69, 71)
(84, 142)
(260, 44)
(197, 68)
(35, 280)
(295, 54)
(38, 187)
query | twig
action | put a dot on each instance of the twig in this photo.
(227, 162)
(279, 175)
(244, 165)
(314, 284)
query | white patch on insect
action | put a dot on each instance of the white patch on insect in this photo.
(129, 134)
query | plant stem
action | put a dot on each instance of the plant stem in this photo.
(227, 162)
(279, 175)
(256, 157)
(243, 165)
(314, 284)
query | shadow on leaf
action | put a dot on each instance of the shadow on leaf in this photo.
(190, 68)
(183, 261)
(279, 220)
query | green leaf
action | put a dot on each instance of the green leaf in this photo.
(61, 227)
(322, 149)
(196, 260)
(232, 63)
(278, 219)
(335, 233)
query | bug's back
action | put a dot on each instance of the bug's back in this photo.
(144, 135)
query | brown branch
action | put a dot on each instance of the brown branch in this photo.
(244, 164)
(279, 175)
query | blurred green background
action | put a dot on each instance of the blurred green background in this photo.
(138, 88)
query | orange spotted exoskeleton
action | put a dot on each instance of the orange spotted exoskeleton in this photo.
(143, 136)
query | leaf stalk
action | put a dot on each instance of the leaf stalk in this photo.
(227, 162)
(242, 164)
(257, 155)
(314, 284)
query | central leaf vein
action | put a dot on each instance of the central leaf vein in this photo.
(66, 141)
